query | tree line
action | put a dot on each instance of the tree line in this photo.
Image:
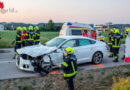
(50, 26)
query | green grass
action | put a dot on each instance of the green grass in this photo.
(9, 36)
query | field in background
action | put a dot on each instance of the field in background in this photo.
(9, 36)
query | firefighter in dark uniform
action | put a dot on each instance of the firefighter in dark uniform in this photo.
(69, 66)
(18, 41)
(37, 35)
(30, 36)
(110, 35)
(116, 42)
(124, 37)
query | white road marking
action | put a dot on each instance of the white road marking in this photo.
(7, 62)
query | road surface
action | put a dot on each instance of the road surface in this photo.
(8, 69)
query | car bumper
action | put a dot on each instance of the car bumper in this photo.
(24, 64)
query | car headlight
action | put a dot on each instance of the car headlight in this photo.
(24, 56)
(46, 58)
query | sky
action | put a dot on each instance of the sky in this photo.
(83, 11)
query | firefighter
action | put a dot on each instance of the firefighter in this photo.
(93, 34)
(84, 34)
(110, 35)
(37, 35)
(24, 36)
(114, 29)
(116, 42)
(69, 66)
(124, 37)
(30, 36)
(18, 41)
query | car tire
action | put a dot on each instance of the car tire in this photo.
(97, 58)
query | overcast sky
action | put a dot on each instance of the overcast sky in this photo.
(84, 11)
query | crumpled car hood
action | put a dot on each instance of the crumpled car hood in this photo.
(35, 50)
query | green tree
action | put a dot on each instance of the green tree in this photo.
(50, 26)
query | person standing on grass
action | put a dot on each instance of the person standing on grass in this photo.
(18, 40)
(69, 67)
(37, 35)
(24, 36)
(84, 34)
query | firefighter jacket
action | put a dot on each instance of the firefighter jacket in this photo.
(37, 36)
(110, 35)
(69, 66)
(18, 37)
(116, 41)
(31, 35)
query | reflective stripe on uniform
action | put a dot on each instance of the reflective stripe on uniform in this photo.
(31, 38)
(37, 40)
(109, 43)
(18, 41)
(38, 34)
(65, 64)
(18, 35)
(116, 46)
(71, 74)
(115, 57)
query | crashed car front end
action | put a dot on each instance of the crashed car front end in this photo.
(32, 57)
(26, 62)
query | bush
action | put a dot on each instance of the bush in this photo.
(121, 84)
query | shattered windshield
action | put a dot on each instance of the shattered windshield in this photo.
(55, 42)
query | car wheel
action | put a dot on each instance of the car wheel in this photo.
(97, 58)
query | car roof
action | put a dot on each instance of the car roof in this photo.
(74, 37)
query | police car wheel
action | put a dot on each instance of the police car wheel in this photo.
(97, 58)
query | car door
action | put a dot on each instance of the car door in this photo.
(58, 55)
(74, 44)
(84, 50)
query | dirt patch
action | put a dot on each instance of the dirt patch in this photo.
(98, 79)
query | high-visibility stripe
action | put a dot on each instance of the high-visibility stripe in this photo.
(115, 46)
(73, 66)
(115, 42)
(30, 39)
(18, 35)
(115, 57)
(65, 64)
(71, 74)
(18, 41)
(37, 40)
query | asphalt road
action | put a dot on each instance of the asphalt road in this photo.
(8, 69)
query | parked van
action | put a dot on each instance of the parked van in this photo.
(75, 29)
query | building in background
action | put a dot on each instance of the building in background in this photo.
(101, 27)
(1, 27)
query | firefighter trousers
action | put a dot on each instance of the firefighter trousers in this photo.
(23, 43)
(70, 83)
(116, 53)
(17, 46)
(111, 50)
(29, 43)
